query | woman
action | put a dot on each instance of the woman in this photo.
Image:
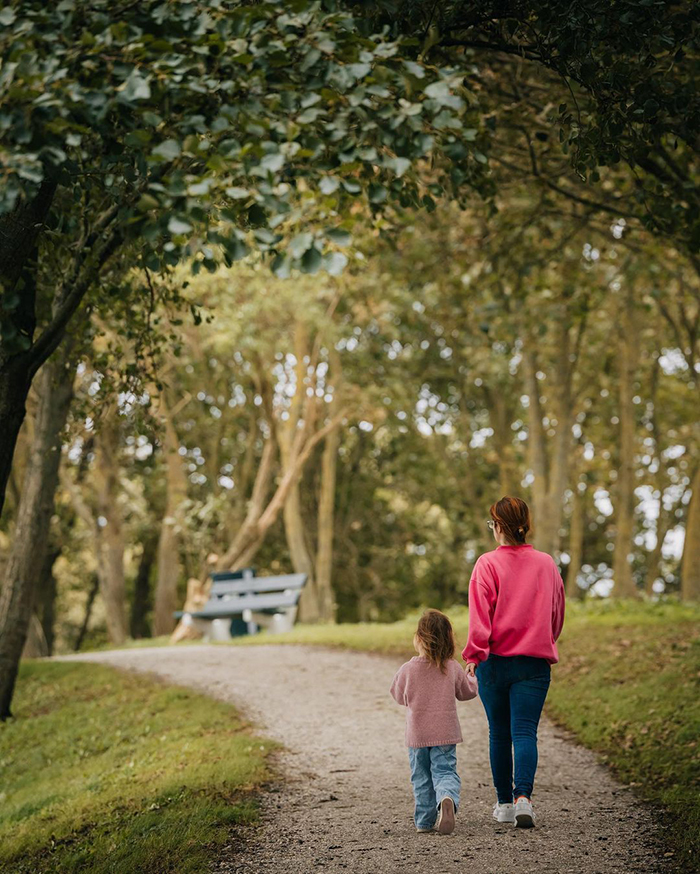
(516, 613)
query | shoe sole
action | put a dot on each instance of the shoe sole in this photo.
(446, 822)
(504, 821)
(524, 820)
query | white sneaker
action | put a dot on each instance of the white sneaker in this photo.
(524, 814)
(503, 812)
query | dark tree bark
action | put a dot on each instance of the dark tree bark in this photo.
(26, 560)
(625, 586)
(92, 594)
(690, 564)
(141, 602)
(19, 232)
(45, 602)
(15, 380)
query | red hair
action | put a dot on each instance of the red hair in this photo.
(513, 517)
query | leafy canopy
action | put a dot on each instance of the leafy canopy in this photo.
(210, 125)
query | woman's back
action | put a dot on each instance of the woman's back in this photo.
(516, 605)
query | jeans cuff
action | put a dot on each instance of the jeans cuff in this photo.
(456, 803)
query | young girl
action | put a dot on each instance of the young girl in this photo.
(428, 685)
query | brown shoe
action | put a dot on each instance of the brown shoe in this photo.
(446, 819)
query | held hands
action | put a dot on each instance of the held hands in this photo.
(471, 669)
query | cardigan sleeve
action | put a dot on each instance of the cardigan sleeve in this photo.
(466, 686)
(482, 603)
(559, 604)
(398, 686)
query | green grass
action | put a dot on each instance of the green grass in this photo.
(628, 686)
(104, 771)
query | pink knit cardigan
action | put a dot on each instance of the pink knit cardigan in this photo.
(430, 696)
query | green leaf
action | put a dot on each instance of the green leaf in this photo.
(272, 163)
(339, 236)
(334, 263)
(179, 226)
(147, 202)
(300, 244)
(237, 193)
(168, 149)
(377, 193)
(281, 266)
(235, 248)
(398, 165)
(136, 87)
(414, 69)
(359, 71)
(311, 261)
(329, 184)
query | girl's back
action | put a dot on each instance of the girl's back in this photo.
(430, 696)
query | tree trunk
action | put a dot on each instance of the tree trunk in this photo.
(92, 594)
(309, 608)
(170, 532)
(141, 601)
(40, 636)
(666, 521)
(624, 585)
(537, 453)
(55, 389)
(326, 505)
(690, 563)
(326, 527)
(550, 470)
(109, 533)
(562, 439)
(576, 532)
(500, 414)
(288, 433)
(35, 644)
(19, 231)
(248, 535)
(15, 380)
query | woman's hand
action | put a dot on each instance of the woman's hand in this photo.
(471, 669)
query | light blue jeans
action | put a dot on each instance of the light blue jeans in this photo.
(434, 777)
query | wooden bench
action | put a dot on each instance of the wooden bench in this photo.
(240, 602)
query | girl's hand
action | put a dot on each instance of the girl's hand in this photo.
(471, 669)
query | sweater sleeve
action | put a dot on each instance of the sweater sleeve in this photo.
(559, 604)
(398, 686)
(466, 686)
(482, 603)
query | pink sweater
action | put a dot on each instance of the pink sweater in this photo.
(431, 719)
(516, 605)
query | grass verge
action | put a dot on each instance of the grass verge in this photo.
(627, 686)
(104, 771)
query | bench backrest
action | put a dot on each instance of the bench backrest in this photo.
(244, 573)
(269, 602)
(228, 588)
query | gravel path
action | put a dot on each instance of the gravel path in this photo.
(345, 804)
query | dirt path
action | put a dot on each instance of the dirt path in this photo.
(346, 805)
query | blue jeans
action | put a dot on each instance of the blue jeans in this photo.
(512, 690)
(434, 777)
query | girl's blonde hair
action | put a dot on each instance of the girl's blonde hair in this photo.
(437, 638)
